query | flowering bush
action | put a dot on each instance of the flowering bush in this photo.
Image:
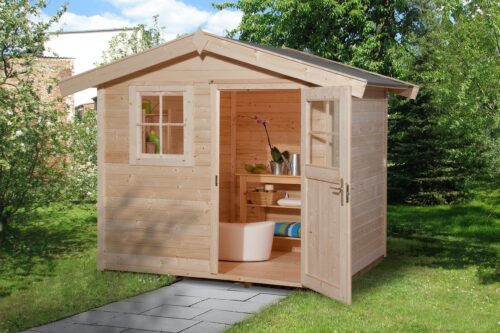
(32, 147)
(32, 131)
(82, 158)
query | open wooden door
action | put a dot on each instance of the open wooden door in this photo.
(326, 225)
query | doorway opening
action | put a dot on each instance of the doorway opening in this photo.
(242, 143)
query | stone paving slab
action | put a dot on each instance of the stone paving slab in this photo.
(204, 327)
(55, 327)
(82, 328)
(127, 307)
(266, 299)
(90, 317)
(222, 317)
(151, 323)
(161, 299)
(236, 306)
(218, 294)
(187, 306)
(173, 311)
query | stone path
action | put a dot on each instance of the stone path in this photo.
(187, 306)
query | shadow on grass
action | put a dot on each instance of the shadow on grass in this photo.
(29, 252)
(451, 237)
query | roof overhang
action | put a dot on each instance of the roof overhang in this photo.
(204, 43)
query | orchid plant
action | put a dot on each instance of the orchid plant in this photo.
(276, 155)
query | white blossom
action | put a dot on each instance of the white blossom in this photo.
(19, 133)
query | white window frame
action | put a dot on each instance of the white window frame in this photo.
(136, 156)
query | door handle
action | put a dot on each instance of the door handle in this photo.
(339, 191)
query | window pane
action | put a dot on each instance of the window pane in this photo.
(150, 139)
(173, 109)
(173, 140)
(324, 134)
(150, 109)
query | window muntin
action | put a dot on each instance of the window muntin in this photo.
(161, 125)
(162, 132)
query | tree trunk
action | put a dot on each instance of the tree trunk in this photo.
(4, 228)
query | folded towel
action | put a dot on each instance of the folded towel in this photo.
(289, 202)
(287, 229)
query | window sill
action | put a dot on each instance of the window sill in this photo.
(162, 161)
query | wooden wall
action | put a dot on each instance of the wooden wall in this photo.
(368, 183)
(157, 218)
(243, 141)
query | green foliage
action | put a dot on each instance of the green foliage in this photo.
(126, 43)
(278, 156)
(367, 34)
(48, 269)
(81, 177)
(463, 79)
(447, 141)
(422, 168)
(441, 274)
(32, 135)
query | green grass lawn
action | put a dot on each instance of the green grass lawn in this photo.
(441, 274)
(48, 270)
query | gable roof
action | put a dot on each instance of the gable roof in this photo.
(373, 79)
(285, 61)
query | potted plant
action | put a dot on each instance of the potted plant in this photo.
(152, 143)
(279, 159)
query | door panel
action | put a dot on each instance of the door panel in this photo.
(324, 234)
(326, 243)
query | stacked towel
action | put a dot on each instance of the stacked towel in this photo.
(289, 202)
(287, 229)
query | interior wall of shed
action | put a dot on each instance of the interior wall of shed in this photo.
(244, 141)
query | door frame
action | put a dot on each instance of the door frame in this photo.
(215, 90)
(344, 94)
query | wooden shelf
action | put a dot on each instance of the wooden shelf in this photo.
(286, 237)
(275, 206)
(265, 178)
(268, 178)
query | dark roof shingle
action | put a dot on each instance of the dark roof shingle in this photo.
(371, 78)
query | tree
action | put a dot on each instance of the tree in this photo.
(82, 158)
(140, 39)
(463, 78)
(368, 34)
(447, 142)
(32, 136)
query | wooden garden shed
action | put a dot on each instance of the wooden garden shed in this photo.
(174, 135)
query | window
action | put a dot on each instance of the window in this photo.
(160, 122)
(324, 134)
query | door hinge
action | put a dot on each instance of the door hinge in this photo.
(339, 191)
(216, 180)
(347, 193)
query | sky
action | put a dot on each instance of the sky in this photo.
(175, 16)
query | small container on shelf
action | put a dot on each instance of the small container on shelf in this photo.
(265, 197)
